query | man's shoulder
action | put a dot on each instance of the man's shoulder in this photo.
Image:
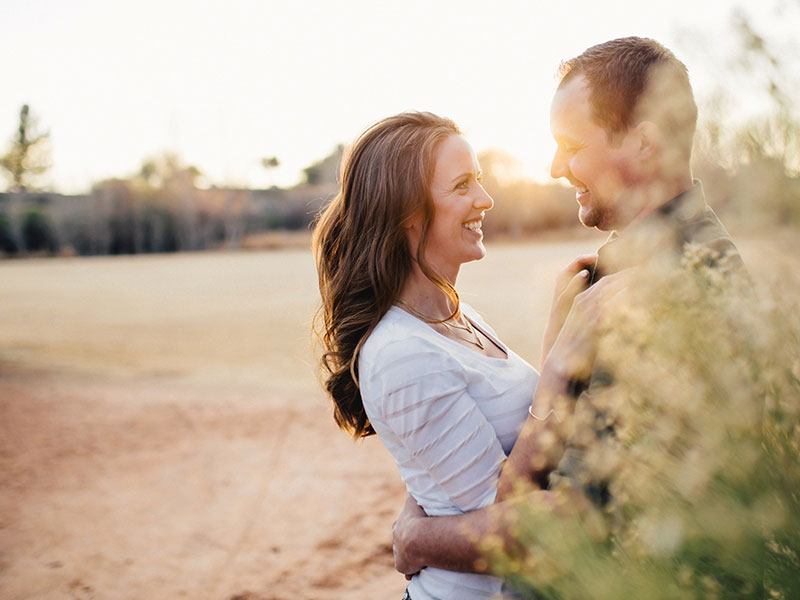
(699, 228)
(707, 238)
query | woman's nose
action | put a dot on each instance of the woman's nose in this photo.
(483, 201)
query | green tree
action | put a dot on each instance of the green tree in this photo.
(8, 243)
(270, 163)
(166, 170)
(326, 170)
(38, 234)
(28, 157)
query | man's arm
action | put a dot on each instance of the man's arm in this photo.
(462, 542)
(450, 542)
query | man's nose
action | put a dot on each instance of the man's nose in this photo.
(558, 167)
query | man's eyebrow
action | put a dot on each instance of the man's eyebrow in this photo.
(564, 137)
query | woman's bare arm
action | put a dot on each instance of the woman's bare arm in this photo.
(540, 444)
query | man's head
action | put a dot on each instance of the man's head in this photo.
(624, 118)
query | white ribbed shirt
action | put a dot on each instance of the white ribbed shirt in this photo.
(449, 416)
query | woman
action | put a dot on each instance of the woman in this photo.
(404, 357)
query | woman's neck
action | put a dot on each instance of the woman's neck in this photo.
(423, 295)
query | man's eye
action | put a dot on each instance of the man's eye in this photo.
(463, 185)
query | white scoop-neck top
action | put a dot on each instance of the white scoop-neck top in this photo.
(449, 416)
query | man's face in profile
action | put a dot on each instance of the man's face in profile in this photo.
(600, 171)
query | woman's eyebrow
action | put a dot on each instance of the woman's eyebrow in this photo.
(457, 177)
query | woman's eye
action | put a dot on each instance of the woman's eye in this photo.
(464, 185)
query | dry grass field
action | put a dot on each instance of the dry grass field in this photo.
(162, 434)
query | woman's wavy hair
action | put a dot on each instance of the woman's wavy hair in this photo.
(361, 246)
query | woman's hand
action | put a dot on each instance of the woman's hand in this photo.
(541, 442)
(573, 351)
(572, 280)
(404, 561)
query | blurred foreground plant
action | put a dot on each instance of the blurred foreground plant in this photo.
(704, 467)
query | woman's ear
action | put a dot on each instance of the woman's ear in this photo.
(413, 229)
(414, 222)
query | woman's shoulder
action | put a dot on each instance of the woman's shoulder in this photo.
(403, 345)
(399, 334)
(405, 355)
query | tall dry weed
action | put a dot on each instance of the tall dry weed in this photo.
(703, 468)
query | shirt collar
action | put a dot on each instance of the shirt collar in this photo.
(684, 207)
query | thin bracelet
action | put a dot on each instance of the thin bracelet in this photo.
(544, 418)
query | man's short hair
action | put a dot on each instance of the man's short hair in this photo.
(633, 79)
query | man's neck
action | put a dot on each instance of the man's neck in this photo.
(657, 193)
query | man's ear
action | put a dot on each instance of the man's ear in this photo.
(649, 139)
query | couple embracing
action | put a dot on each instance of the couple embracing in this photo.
(465, 418)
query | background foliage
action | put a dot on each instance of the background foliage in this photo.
(704, 469)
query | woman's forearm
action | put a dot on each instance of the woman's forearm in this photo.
(540, 444)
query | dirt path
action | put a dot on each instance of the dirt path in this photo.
(161, 434)
(115, 489)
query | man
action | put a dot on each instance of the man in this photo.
(624, 119)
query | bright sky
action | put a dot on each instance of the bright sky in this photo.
(224, 84)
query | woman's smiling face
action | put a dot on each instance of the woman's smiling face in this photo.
(460, 203)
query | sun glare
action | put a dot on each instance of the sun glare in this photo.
(225, 86)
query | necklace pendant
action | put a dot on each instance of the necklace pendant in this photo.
(452, 326)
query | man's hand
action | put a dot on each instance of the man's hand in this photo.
(402, 529)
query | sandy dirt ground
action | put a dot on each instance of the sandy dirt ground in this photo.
(145, 490)
(162, 434)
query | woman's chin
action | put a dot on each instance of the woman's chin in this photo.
(478, 254)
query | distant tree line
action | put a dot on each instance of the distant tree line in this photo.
(751, 170)
(160, 209)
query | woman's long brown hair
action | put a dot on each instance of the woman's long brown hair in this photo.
(361, 246)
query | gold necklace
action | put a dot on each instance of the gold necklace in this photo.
(467, 326)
